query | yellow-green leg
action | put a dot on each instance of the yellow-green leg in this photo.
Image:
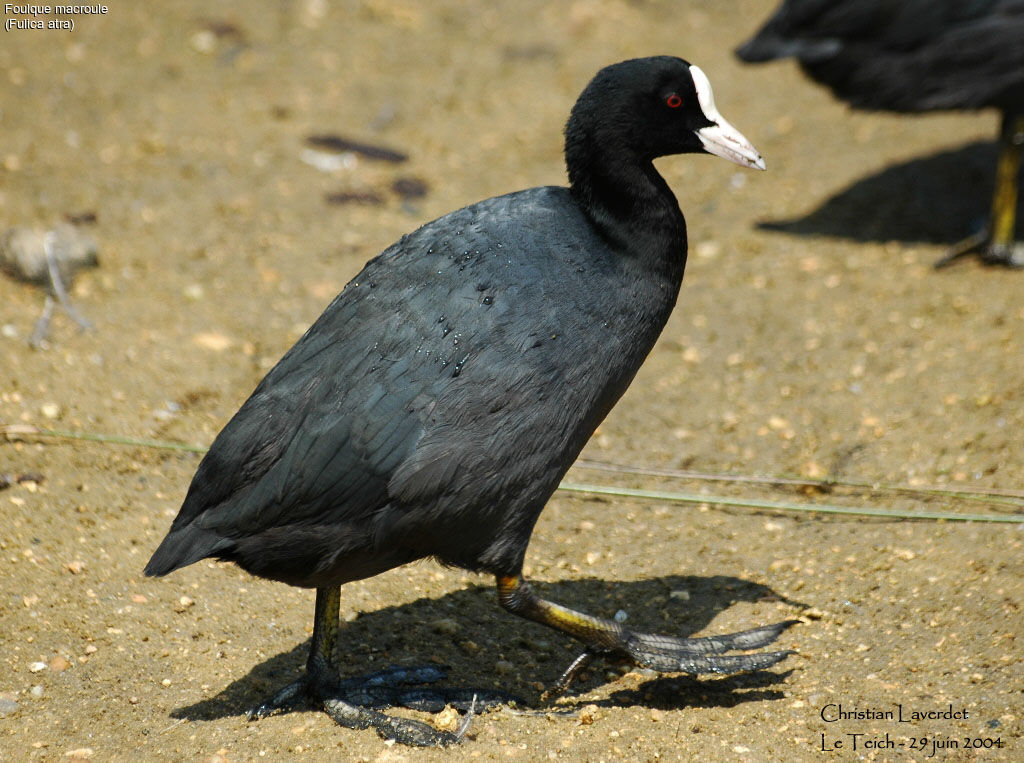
(995, 244)
(664, 653)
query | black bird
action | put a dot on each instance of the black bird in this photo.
(914, 56)
(434, 407)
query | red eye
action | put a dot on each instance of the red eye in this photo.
(674, 101)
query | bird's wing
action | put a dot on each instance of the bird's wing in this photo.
(816, 30)
(401, 380)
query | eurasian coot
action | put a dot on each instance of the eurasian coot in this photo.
(435, 405)
(912, 56)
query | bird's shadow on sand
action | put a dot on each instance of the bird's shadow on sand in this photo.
(467, 632)
(937, 199)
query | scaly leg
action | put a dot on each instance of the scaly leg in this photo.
(668, 654)
(358, 702)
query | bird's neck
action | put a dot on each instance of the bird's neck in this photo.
(630, 204)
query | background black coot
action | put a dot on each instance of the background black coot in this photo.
(435, 405)
(912, 56)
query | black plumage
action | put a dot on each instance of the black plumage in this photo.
(917, 56)
(435, 405)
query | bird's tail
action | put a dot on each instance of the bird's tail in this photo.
(186, 546)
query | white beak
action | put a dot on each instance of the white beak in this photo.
(721, 138)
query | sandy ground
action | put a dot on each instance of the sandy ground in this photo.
(811, 338)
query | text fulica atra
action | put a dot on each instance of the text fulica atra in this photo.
(435, 405)
(912, 56)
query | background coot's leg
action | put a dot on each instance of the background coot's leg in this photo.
(996, 244)
(1003, 249)
(358, 702)
(664, 653)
